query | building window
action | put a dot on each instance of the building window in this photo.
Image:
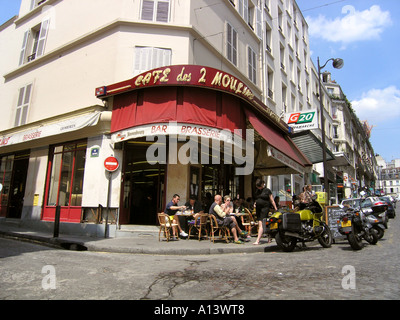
(34, 42)
(252, 59)
(244, 9)
(66, 171)
(24, 98)
(148, 58)
(155, 10)
(231, 46)
(36, 3)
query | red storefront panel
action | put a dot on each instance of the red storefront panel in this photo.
(188, 105)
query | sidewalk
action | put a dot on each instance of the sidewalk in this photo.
(138, 244)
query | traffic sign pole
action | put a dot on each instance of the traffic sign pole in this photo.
(111, 165)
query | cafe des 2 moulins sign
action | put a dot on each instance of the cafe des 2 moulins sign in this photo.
(196, 76)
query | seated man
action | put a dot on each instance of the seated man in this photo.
(224, 220)
(195, 207)
(172, 209)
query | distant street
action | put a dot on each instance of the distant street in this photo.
(307, 273)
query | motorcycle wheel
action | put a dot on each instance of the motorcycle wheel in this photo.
(287, 244)
(380, 232)
(372, 238)
(354, 240)
(325, 239)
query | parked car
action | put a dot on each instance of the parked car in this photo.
(390, 211)
(352, 203)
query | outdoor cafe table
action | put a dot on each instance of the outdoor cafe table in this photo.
(186, 216)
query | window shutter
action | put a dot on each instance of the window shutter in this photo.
(162, 11)
(241, 7)
(229, 43)
(23, 49)
(147, 10)
(246, 10)
(44, 27)
(259, 23)
(23, 105)
(234, 46)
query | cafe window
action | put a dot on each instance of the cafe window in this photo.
(65, 182)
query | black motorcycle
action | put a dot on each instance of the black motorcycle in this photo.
(356, 227)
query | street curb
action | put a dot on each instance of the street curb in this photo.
(91, 245)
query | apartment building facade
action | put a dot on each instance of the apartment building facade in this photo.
(57, 129)
(355, 164)
(388, 177)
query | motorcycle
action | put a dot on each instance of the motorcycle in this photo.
(377, 226)
(355, 225)
(305, 225)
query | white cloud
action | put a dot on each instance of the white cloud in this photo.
(354, 26)
(378, 106)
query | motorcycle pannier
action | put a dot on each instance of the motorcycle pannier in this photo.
(291, 222)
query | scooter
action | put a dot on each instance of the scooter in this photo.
(377, 226)
(356, 226)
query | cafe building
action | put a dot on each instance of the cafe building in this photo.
(185, 129)
(192, 130)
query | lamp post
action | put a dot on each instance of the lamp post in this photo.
(337, 64)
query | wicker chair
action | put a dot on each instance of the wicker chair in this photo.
(250, 222)
(223, 232)
(166, 226)
(201, 225)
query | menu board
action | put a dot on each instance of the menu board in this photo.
(332, 215)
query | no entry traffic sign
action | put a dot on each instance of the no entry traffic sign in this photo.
(111, 164)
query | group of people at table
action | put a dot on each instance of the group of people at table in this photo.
(224, 212)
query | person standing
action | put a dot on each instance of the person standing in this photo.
(264, 203)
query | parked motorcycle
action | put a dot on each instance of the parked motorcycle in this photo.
(305, 225)
(377, 226)
(355, 225)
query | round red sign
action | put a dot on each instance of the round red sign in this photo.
(111, 164)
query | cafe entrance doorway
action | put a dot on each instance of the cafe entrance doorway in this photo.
(143, 186)
(13, 173)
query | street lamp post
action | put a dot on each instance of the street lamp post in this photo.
(337, 64)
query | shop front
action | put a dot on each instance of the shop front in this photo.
(192, 130)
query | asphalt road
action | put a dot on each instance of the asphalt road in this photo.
(30, 271)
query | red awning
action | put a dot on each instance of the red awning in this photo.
(278, 140)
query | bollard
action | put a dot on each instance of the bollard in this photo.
(57, 222)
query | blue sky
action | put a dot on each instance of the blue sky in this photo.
(365, 34)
